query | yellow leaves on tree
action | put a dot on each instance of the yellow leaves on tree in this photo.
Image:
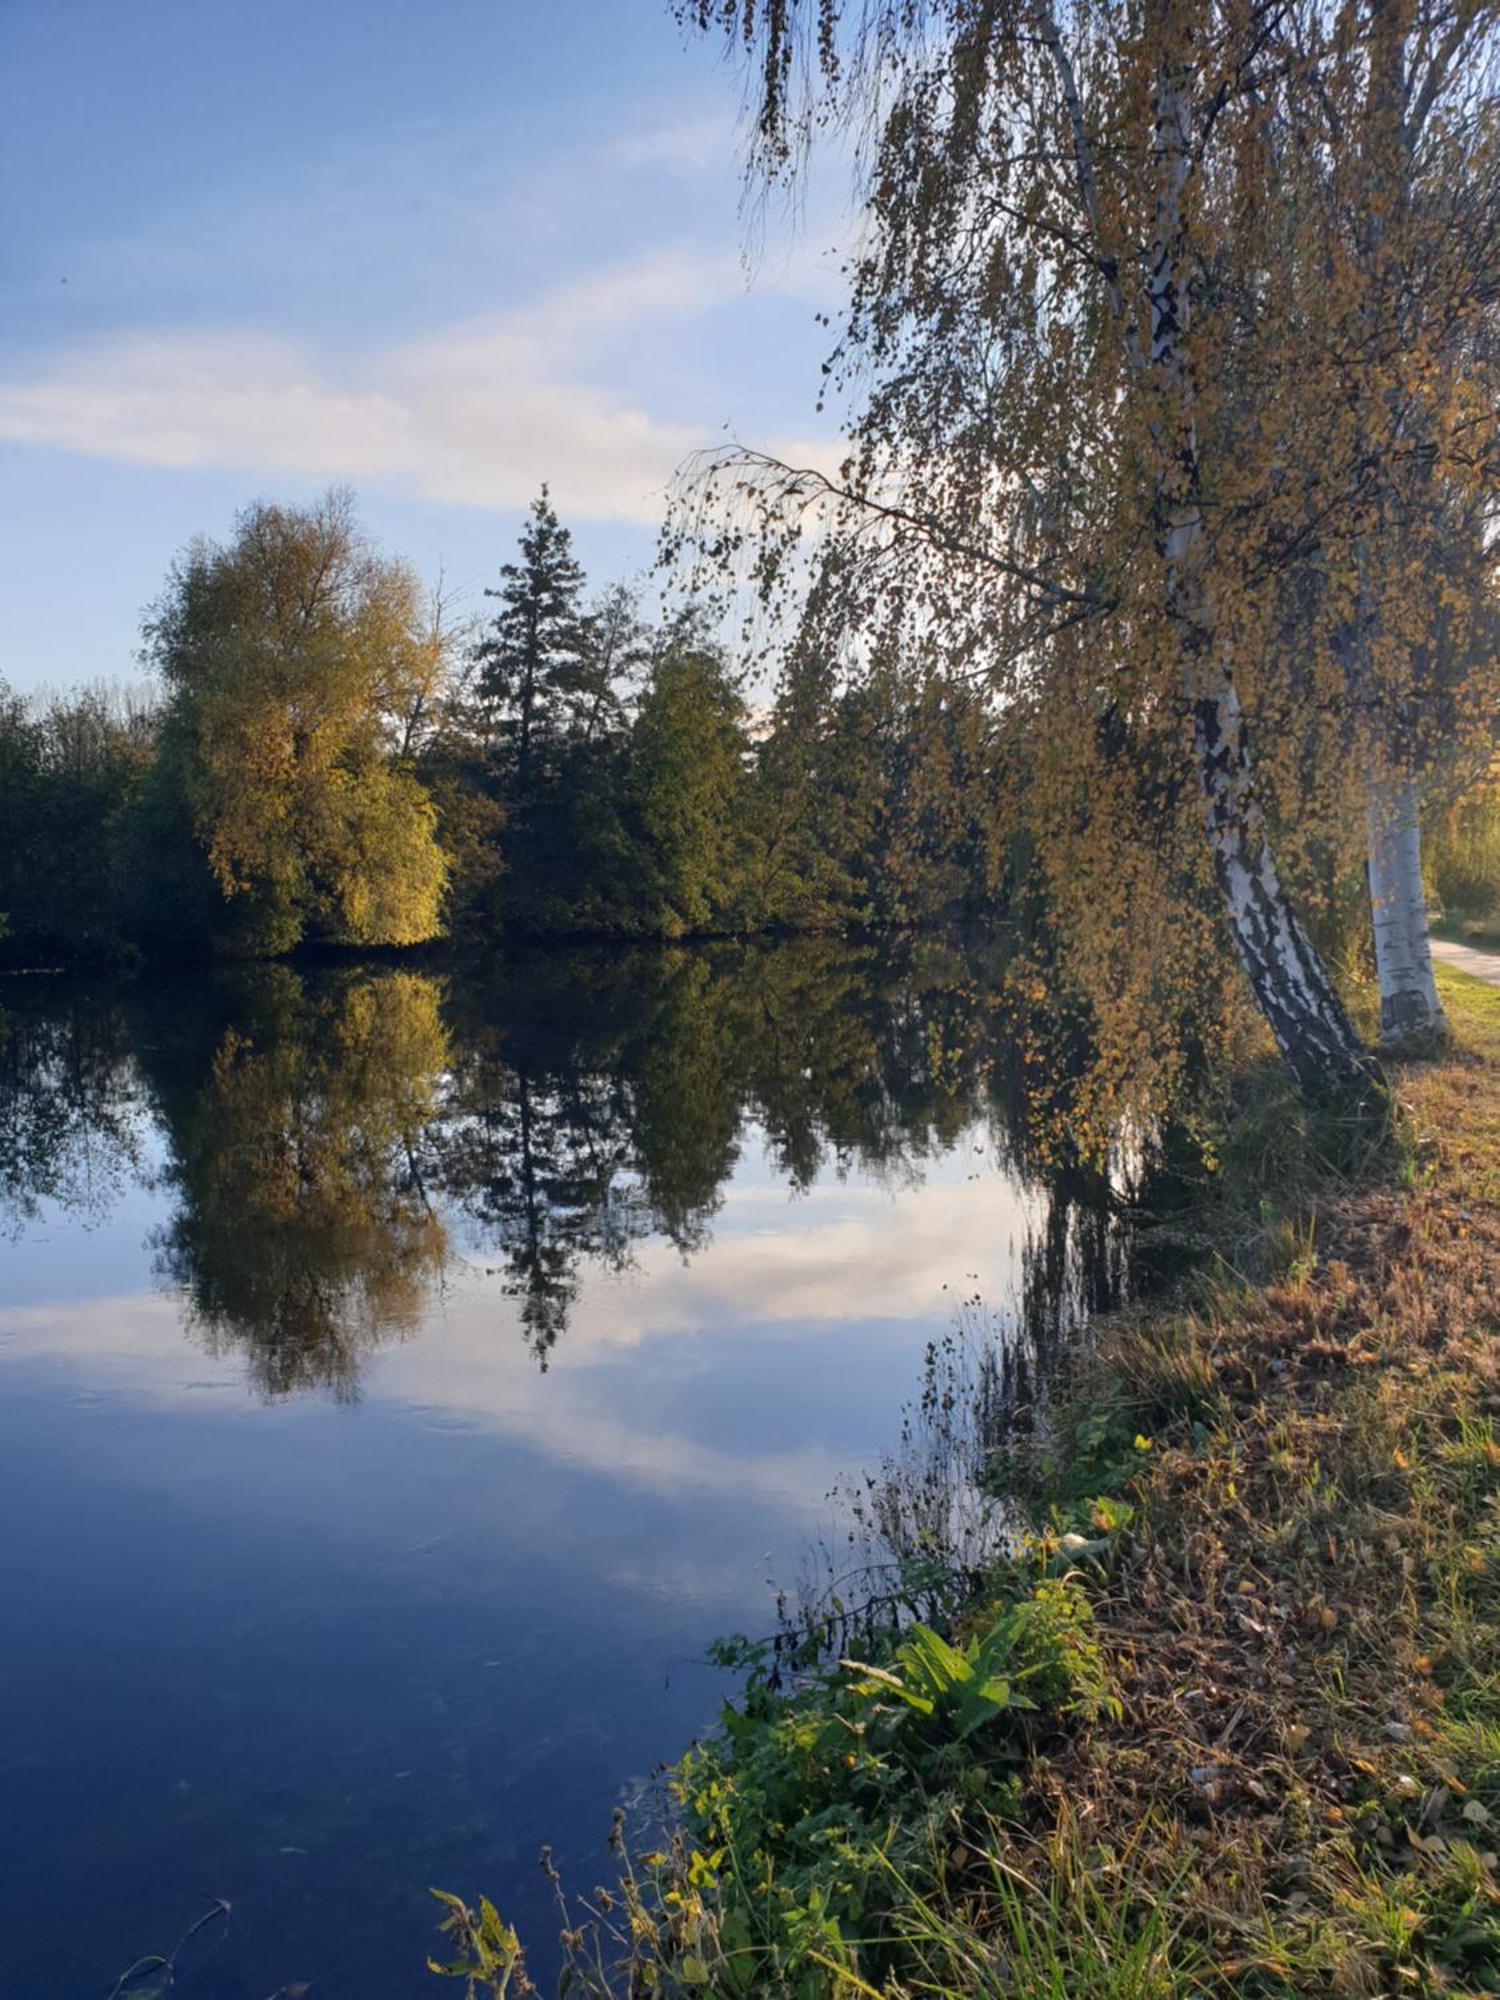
(288, 655)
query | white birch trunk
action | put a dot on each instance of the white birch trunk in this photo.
(1409, 1003)
(1293, 989)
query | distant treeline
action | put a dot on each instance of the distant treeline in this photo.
(324, 758)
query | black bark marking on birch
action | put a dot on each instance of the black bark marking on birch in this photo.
(1300, 1004)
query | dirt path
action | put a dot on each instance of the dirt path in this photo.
(1463, 958)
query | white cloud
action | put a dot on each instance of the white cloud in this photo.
(681, 145)
(850, 1252)
(477, 414)
(848, 1257)
(292, 329)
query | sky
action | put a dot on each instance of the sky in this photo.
(437, 250)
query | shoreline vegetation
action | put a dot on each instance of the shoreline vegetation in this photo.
(328, 763)
(1220, 1714)
(326, 760)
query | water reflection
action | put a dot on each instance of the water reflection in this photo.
(332, 1141)
(313, 1657)
(304, 1231)
(69, 1126)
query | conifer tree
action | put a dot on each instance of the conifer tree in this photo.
(538, 660)
(687, 786)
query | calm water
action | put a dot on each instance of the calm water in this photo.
(402, 1379)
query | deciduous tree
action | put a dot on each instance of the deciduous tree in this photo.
(1102, 422)
(279, 652)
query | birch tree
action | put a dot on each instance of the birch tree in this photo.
(1385, 142)
(1077, 465)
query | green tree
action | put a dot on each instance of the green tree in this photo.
(813, 806)
(20, 770)
(69, 769)
(280, 653)
(1463, 852)
(687, 785)
(539, 663)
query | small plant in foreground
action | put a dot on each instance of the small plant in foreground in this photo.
(490, 1959)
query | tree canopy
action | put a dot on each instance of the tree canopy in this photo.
(281, 654)
(1169, 351)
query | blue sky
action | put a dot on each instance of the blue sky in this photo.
(438, 249)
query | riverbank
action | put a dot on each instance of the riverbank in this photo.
(1229, 1723)
(1300, 1790)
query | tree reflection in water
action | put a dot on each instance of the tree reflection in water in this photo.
(304, 1232)
(333, 1139)
(70, 1125)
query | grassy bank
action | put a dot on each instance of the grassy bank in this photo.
(1225, 1718)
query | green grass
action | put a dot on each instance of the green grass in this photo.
(1477, 1006)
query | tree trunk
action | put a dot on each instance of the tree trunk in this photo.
(1291, 986)
(1286, 974)
(1409, 1003)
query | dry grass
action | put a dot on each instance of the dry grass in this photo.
(1303, 1628)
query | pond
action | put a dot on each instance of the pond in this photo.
(404, 1376)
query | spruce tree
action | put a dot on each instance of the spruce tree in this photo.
(538, 657)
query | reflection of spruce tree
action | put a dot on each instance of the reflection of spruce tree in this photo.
(548, 1228)
(304, 1233)
(612, 1107)
(542, 1164)
(602, 1102)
